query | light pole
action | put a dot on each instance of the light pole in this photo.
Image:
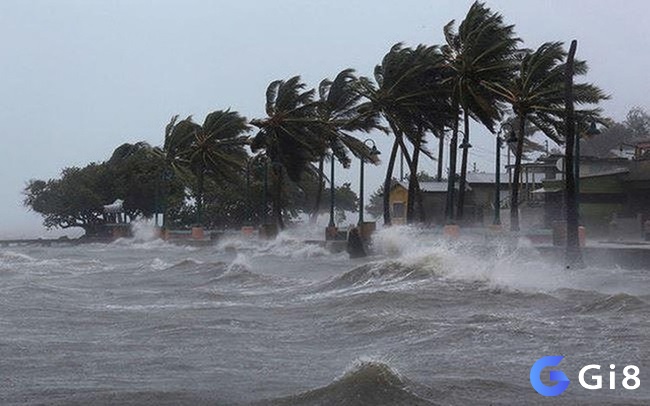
(497, 184)
(465, 145)
(249, 203)
(497, 172)
(265, 192)
(373, 152)
(332, 194)
(167, 176)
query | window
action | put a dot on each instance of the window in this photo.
(398, 210)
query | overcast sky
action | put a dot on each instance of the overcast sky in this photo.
(78, 78)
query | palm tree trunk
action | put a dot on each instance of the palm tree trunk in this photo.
(453, 147)
(405, 153)
(277, 201)
(319, 191)
(573, 253)
(441, 147)
(514, 192)
(413, 183)
(387, 182)
(463, 168)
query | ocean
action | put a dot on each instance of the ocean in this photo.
(422, 321)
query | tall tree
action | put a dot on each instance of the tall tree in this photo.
(216, 148)
(479, 55)
(410, 95)
(338, 111)
(537, 95)
(290, 135)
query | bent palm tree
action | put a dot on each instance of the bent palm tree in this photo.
(215, 148)
(410, 96)
(478, 55)
(290, 135)
(338, 110)
(536, 94)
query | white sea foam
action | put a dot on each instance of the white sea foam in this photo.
(14, 257)
(503, 264)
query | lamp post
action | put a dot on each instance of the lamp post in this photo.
(373, 152)
(167, 176)
(249, 202)
(465, 145)
(157, 199)
(497, 172)
(332, 194)
(497, 184)
(265, 192)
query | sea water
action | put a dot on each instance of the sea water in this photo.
(422, 321)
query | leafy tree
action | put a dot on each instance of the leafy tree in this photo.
(617, 135)
(345, 199)
(479, 56)
(135, 172)
(375, 206)
(76, 199)
(638, 122)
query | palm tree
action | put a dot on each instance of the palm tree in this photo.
(536, 94)
(410, 96)
(290, 135)
(216, 148)
(338, 110)
(478, 55)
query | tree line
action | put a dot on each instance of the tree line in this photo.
(480, 73)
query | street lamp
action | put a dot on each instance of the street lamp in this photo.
(331, 223)
(497, 172)
(465, 146)
(373, 152)
(166, 176)
(265, 192)
(511, 140)
(249, 203)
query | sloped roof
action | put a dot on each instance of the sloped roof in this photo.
(473, 178)
(433, 187)
(609, 172)
(479, 177)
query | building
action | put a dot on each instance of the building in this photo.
(480, 192)
(613, 192)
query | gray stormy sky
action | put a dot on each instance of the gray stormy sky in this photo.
(80, 77)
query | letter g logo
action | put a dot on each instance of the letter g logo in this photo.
(558, 376)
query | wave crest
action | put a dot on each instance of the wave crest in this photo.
(380, 273)
(369, 383)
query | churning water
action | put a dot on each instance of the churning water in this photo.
(285, 323)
